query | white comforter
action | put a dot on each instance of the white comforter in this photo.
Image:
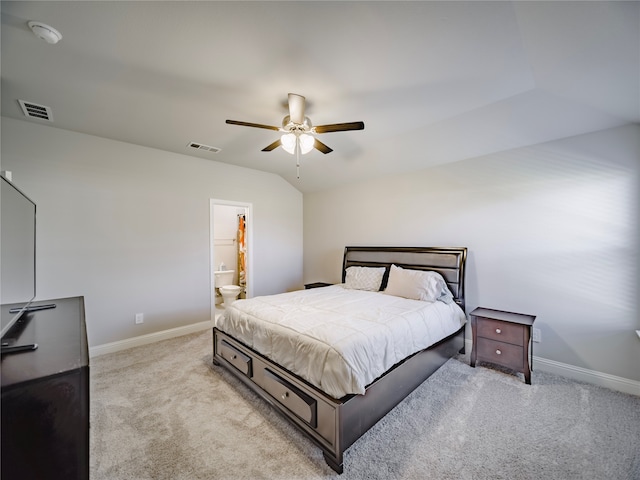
(337, 339)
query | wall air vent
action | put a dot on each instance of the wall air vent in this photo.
(207, 148)
(33, 110)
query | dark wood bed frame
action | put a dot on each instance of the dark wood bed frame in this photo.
(335, 424)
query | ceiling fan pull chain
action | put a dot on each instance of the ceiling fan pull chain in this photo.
(298, 159)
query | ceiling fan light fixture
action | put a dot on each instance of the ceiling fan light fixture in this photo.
(289, 143)
(306, 143)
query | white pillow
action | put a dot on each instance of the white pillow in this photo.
(364, 278)
(422, 285)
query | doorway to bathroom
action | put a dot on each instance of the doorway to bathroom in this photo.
(231, 247)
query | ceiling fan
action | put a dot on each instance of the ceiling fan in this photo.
(298, 132)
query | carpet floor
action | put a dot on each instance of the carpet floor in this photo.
(163, 411)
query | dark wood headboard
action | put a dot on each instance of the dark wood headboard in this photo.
(447, 261)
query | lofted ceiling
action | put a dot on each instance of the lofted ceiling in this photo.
(434, 82)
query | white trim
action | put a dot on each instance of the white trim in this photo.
(149, 338)
(580, 374)
(249, 242)
(590, 376)
(468, 345)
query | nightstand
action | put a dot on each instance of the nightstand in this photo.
(502, 338)
(316, 285)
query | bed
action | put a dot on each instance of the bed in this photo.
(283, 346)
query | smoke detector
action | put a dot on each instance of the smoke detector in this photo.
(45, 32)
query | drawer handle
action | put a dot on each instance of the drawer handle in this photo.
(234, 356)
(498, 330)
(285, 395)
(498, 352)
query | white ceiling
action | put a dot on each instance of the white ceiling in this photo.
(434, 82)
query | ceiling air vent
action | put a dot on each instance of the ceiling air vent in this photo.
(33, 110)
(201, 146)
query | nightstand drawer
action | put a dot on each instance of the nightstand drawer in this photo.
(505, 354)
(501, 331)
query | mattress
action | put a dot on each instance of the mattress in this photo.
(339, 340)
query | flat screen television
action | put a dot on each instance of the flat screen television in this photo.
(17, 252)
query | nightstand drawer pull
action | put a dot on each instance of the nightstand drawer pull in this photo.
(498, 352)
(498, 330)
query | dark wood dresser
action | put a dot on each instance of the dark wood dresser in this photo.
(502, 338)
(45, 395)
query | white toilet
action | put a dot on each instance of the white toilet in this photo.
(224, 284)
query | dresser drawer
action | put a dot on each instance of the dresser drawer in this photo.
(505, 354)
(294, 399)
(236, 358)
(501, 331)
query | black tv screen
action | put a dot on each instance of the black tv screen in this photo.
(17, 251)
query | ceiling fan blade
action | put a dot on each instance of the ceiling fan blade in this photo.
(296, 108)
(273, 146)
(248, 124)
(318, 145)
(339, 127)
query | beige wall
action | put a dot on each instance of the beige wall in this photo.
(128, 227)
(552, 230)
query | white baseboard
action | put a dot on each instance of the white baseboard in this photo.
(580, 374)
(147, 339)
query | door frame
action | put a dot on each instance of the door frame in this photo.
(249, 242)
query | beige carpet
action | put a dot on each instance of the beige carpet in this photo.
(162, 411)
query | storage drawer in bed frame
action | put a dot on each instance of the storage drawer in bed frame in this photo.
(311, 411)
(236, 358)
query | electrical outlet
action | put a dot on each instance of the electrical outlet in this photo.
(139, 318)
(536, 335)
